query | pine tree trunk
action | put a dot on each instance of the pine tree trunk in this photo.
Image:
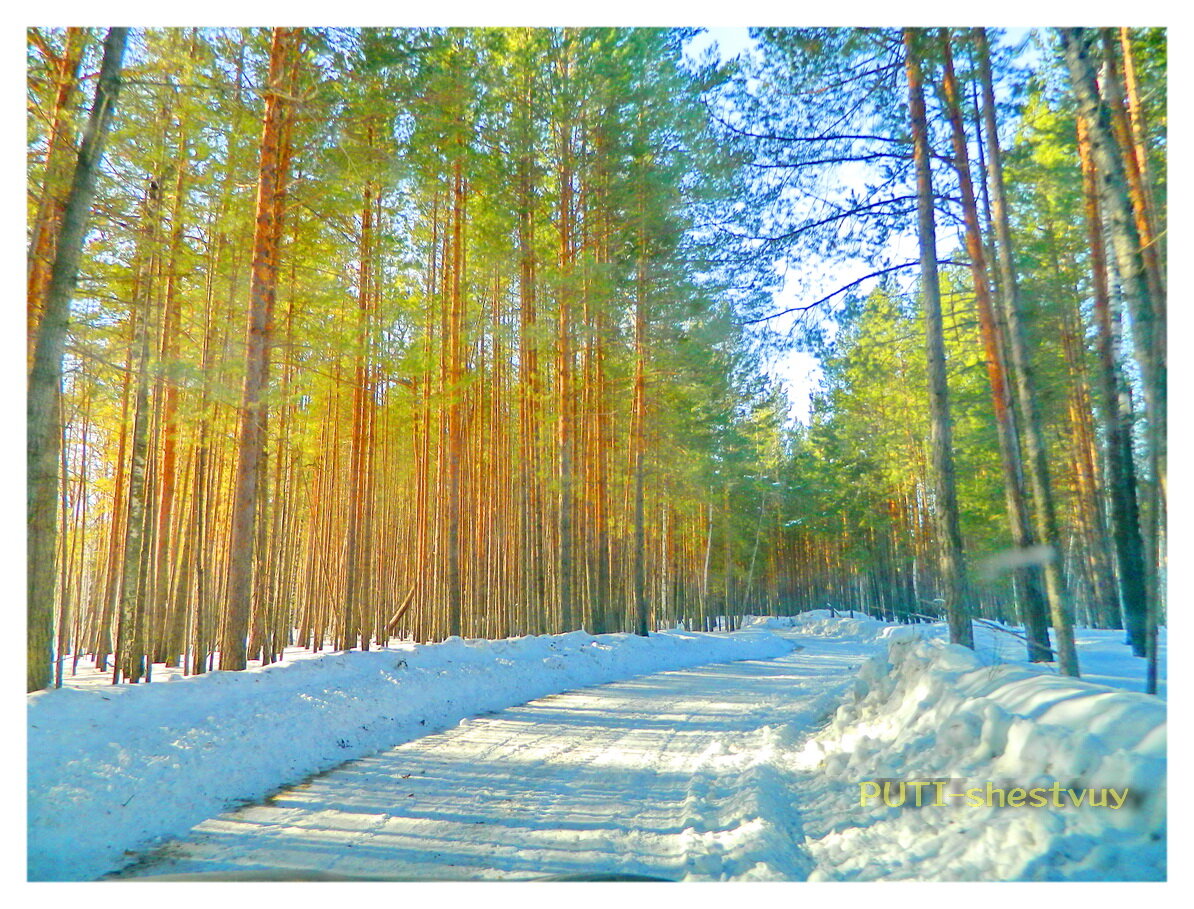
(354, 541)
(130, 640)
(1148, 311)
(1132, 155)
(532, 587)
(995, 346)
(953, 569)
(1034, 439)
(1140, 145)
(455, 375)
(564, 366)
(43, 417)
(168, 394)
(48, 220)
(1121, 474)
(638, 440)
(1088, 472)
(1031, 594)
(271, 188)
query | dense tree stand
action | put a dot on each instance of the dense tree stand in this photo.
(372, 333)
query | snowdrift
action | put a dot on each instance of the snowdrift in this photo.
(118, 768)
(822, 623)
(926, 710)
(1103, 654)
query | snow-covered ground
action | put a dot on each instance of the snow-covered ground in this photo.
(676, 775)
(1103, 656)
(742, 770)
(113, 768)
(929, 711)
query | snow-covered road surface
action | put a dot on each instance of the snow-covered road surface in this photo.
(117, 770)
(749, 769)
(669, 775)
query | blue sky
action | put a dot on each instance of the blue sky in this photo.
(799, 371)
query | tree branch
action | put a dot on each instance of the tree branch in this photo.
(842, 289)
(828, 137)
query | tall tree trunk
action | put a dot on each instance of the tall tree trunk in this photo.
(130, 647)
(1140, 143)
(168, 395)
(455, 391)
(1129, 137)
(1148, 310)
(953, 568)
(271, 189)
(48, 220)
(601, 444)
(43, 417)
(1146, 302)
(638, 439)
(995, 346)
(103, 637)
(532, 591)
(564, 367)
(1034, 439)
(1088, 470)
(707, 561)
(1131, 154)
(1121, 473)
(356, 546)
(66, 592)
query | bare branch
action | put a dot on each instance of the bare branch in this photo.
(828, 137)
(843, 289)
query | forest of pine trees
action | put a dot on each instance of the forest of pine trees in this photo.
(339, 335)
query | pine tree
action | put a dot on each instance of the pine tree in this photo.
(44, 411)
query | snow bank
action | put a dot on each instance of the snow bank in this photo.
(926, 710)
(1103, 655)
(119, 768)
(823, 623)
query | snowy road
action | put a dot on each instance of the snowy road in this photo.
(668, 775)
